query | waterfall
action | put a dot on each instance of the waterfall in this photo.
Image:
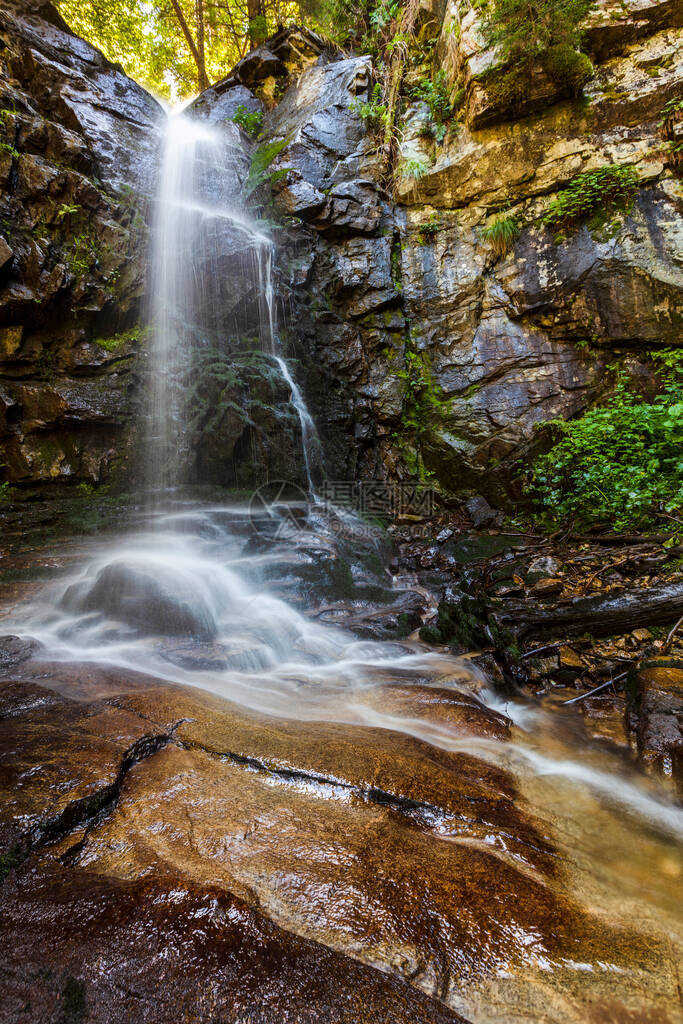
(199, 225)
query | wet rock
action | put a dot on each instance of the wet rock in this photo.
(480, 512)
(87, 140)
(148, 598)
(14, 650)
(657, 715)
(570, 659)
(338, 872)
(542, 568)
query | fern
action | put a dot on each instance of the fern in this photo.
(260, 162)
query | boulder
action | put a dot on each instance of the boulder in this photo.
(148, 597)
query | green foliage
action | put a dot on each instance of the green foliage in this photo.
(618, 463)
(83, 255)
(435, 92)
(261, 160)
(533, 32)
(5, 147)
(608, 187)
(66, 210)
(429, 229)
(502, 232)
(413, 169)
(373, 111)
(117, 341)
(4, 492)
(150, 39)
(249, 121)
(672, 114)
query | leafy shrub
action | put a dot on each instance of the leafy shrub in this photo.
(435, 92)
(617, 463)
(502, 232)
(608, 187)
(250, 121)
(429, 229)
(672, 114)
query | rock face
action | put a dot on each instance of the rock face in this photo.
(78, 159)
(167, 853)
(427, 352)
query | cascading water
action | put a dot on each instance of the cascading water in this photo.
(195, 601)
(198, 225)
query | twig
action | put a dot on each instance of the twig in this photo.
(538, 650)
(598, 689)
(610, 565)
(624, 538)
(667, 642)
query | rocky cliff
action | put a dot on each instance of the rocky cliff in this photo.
(78, 144)
(427, 350)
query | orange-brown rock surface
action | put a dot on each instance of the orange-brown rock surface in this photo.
(169, 855)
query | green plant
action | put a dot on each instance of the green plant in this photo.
(530, 33)
(372, 111)
(429, 229)
(250, 121)
(672, 114)
(5, 147)
(66, 209)
(435, 92)
(261, 160)
(413, 168)
(618, 463)
(117, 341)
(4, 491)
(608, 187)
(502, 232)
(83, 254)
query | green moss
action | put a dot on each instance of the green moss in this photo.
(117, 341)
(9, 860)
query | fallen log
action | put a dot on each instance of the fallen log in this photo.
(598, 615)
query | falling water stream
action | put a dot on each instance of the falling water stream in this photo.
(185, 597)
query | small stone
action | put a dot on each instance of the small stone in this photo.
(542, 568)
(443, 536)
(547, 586)
(479, 511)
(641, 634)
(569, 658)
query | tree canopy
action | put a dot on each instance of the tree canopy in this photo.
(176, 47)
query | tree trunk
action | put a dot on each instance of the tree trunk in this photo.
(198, 57)
(256, 28)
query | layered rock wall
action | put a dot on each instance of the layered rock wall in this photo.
(78, 158)
(427, 352)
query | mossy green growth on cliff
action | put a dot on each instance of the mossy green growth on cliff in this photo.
(619, 464)
(592, 195)
(423, 407)
(117, 341)
(530, 33)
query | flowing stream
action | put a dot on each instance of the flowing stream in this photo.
(187, 597)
